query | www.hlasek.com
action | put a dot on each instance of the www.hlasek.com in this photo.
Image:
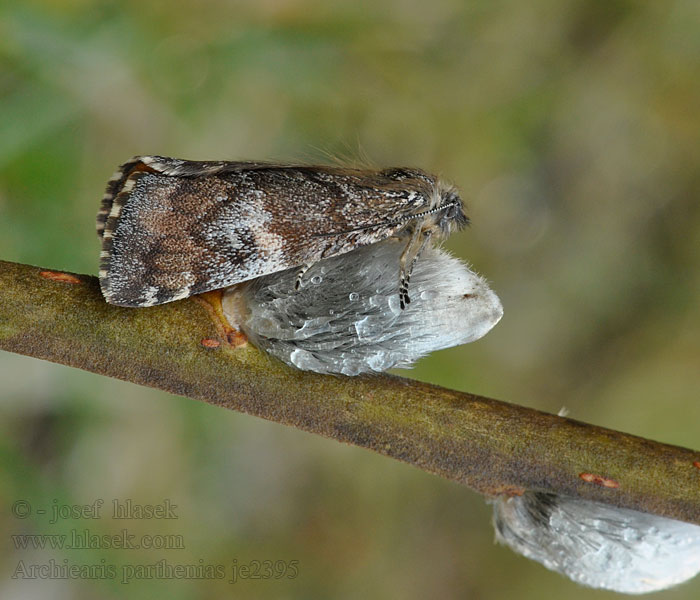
(163, 569)
(84, 539)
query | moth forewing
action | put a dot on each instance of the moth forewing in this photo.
(173, 228)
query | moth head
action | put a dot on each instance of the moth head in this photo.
(437, 206)
(450, 215)
(446, 212)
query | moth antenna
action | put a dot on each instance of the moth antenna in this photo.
(403, 220)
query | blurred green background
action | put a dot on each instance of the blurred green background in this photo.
(572, 128)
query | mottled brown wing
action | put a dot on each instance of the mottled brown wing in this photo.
(171, 229)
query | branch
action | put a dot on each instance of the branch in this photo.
(491, 446)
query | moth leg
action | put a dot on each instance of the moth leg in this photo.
(228, 330)
(328, 251)
(300, 275)
(419, 240)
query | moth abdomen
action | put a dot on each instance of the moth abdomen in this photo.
(172, 228)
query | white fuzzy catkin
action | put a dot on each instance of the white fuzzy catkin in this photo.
(345, 317)
(597, 544)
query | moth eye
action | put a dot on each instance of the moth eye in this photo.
(452, 216)
(451, 197)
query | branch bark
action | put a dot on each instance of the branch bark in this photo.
(491, 446)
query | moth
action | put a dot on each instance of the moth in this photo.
(172, 228)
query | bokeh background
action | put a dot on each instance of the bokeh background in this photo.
(572, 128)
